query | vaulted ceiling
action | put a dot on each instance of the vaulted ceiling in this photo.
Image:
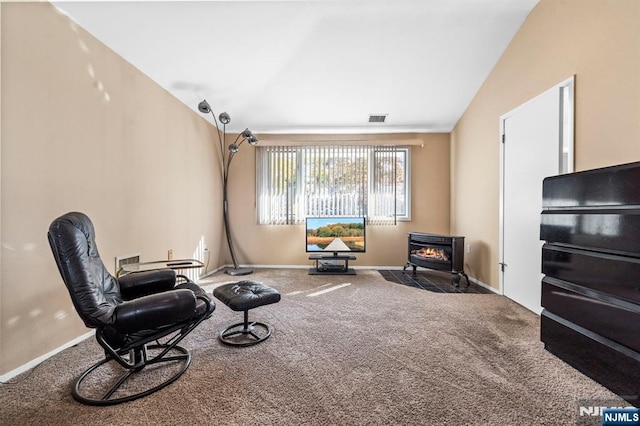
(313, 66)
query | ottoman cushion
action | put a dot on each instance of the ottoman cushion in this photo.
(245, 295)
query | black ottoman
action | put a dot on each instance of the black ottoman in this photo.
(242, 296)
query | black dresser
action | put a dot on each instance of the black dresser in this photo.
(591, 261)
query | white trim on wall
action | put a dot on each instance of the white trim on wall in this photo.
(567, 87)
(34, 362)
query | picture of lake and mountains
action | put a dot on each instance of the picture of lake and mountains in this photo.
(336, 234)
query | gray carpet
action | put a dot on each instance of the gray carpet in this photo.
(370, 352)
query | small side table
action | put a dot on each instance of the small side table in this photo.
(175, 264)
(324, 264)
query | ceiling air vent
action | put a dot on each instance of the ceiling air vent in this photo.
(377, 118)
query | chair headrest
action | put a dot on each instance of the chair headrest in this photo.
(71, 223)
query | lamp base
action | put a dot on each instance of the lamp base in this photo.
(239, 271)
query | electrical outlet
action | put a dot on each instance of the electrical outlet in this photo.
(468, 248)
(170, 254)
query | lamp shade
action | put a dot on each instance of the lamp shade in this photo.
(224, 118)
(204, 107)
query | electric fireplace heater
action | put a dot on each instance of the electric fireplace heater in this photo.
(437, 252)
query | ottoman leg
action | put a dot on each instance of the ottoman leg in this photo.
(245, 333)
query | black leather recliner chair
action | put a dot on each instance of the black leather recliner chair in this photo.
(139, 318)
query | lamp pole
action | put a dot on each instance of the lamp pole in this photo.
(225, 164)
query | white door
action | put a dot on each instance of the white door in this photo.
(532, 150)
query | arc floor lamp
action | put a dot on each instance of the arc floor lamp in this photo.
(225, 163)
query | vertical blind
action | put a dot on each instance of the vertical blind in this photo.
(294, 182)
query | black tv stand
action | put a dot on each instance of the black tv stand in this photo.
(323, 266)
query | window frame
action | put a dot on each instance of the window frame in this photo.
(292, 217)
(406, 217)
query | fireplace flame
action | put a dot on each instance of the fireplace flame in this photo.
(432, 253)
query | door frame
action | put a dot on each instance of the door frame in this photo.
(566, 147)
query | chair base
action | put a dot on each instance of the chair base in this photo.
(115, 391)
(245, 334)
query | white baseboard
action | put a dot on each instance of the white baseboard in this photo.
(481, 284)
(13, 373)
(394, 268)
(208, 274)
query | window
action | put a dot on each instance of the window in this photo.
(299, 181)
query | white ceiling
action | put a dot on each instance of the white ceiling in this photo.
(314, 66)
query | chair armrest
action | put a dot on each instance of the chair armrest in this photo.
(138, 284)
(155, 311)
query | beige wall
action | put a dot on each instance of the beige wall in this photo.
(386, 245)
(598, 41)
(84, 130)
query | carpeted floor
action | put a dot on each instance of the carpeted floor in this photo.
(346, 350)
